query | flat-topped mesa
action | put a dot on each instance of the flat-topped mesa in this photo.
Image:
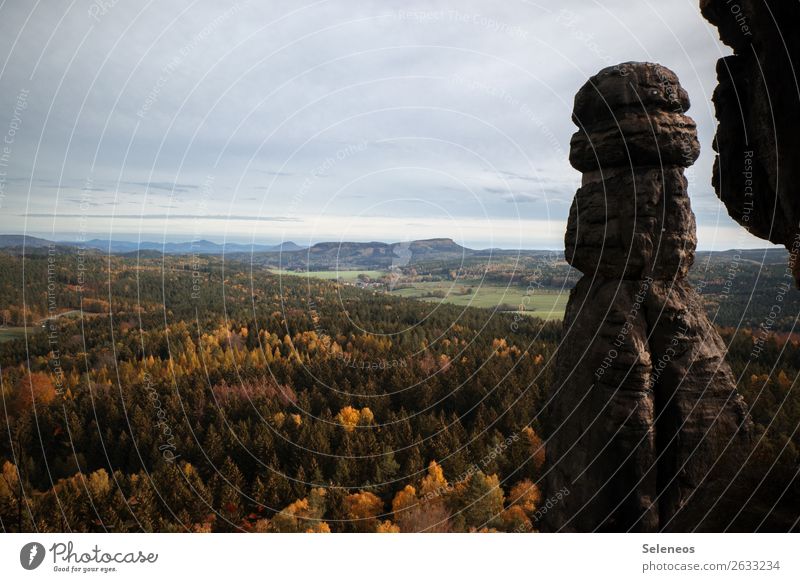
(632, 217)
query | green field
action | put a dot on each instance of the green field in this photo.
(545, 304)
(12, 333)
(347, 276)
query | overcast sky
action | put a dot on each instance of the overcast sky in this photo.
(332, 120)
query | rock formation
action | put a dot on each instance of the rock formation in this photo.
(756, 174)
(644, 403)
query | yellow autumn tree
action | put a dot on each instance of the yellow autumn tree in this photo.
(524, 498)
(365, 416)
(98, 484)
(12, 496)
(403, 500)
(526, 495)
(515, 520)
(427, 512)
(387, 527)
(33, 388)
(363, 509)
(537, 449)
(319, 527)
(412, 514)
(350, 417)
(434, 485)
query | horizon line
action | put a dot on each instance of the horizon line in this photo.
(140, 241)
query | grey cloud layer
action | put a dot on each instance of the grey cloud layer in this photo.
(290, 111)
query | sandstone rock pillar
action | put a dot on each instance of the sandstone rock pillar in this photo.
(644, 403)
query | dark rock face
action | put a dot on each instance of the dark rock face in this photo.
(756, 174)
(644, 403)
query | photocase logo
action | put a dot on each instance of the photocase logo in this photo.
(31, 555)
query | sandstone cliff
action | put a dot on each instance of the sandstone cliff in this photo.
(756, 174)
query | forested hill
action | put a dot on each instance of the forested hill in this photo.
(189, 393)
(190, 396)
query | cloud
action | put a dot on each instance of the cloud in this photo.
(272, 173)
(223, 217)
(360, 104)
(168, 186)
(513, 196)
(515, 176)
(521, 197)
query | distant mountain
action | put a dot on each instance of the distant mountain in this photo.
(435, 246)
(19, 240)
(119, 247)
(142, 254)
(390, 251)
(203, 247)
(287, 247)
(108, 246)
(364, 255)
(338, 255)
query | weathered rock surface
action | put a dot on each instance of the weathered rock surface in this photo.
(757, 174)
(644, 403)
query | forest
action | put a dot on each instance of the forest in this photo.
(195, 394)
